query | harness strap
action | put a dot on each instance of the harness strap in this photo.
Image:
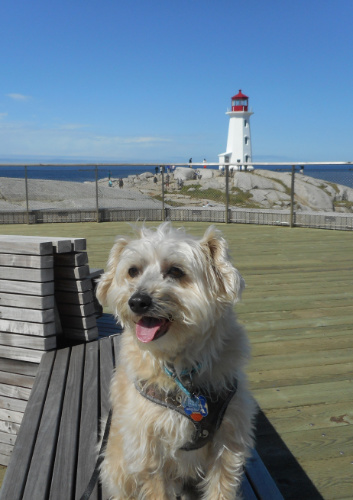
(205, 429)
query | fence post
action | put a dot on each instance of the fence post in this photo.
(226, 215)
(292, 197)
(97, 201)
(162, 172)
(26, 188)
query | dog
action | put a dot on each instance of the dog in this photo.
(182, 421)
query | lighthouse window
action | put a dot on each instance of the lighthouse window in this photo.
(245, 123)
(246, 140)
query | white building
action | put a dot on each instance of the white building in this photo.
(239, 136)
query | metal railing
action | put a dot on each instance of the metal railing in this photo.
(315, 194)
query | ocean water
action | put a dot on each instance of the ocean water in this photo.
(336, 174)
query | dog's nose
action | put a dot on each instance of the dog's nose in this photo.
(140, 302)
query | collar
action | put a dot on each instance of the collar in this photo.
(184, 380)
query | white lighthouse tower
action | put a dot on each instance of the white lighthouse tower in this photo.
(239, 137)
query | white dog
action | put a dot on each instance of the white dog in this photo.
(182, 413)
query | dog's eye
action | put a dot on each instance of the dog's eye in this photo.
(175, 272)
(133, 272)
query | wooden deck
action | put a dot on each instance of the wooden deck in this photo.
(298, 310)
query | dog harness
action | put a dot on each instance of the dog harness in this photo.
(206, 412)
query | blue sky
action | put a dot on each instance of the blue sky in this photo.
(151, 80)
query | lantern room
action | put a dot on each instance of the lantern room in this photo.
(240, 102)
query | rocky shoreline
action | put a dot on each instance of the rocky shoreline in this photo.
(184, 187)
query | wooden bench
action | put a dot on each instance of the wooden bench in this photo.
(56, 449)
(46, 301)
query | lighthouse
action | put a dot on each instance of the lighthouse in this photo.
(239, 137)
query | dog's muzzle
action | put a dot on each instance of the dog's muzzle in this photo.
(148, 327)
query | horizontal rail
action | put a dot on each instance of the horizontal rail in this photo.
(209, 164)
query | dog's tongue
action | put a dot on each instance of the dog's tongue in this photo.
(147, 328)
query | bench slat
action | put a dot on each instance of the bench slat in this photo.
(76, 322)
(80, 310)
(39, 476)
(247, 491)
(40, 244)
(71, 259)
(88, 439)
(33, 261)
(27, 287)
(260, 479)
(16, 379)
(30, 301)
(25, 245)
(9, 427)
(26, 274)
(15, 477)
(116, 343)
(23, 314)
(28, 341)
(21, 367)
(81, 334)
(106, 372)
(12, 412)
(13, 391)
(78, 272)
(67, 297)
(81, 286)
(27, 328)
(65, 460)
(17, 353)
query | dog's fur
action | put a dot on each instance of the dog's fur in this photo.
(192, 287)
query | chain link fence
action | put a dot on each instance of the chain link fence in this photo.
(313, 195)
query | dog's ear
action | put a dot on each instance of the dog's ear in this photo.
(107, 278)
(225, 279)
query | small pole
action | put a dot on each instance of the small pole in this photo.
(162, 172)
(97, 201)
(292, 197)
(26, 188)
(226, 215)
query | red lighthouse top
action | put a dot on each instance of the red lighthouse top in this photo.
(240, 102)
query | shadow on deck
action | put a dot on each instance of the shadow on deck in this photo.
(289, 476)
